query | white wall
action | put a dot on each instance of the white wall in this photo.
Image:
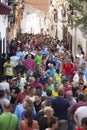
(30, 24)
(60, 24)
(3, 26)
(81, 40)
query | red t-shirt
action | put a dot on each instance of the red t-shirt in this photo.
(72, 72)
(67, 68)
(20, 97)
(79, 129)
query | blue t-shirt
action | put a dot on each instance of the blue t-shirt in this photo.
(60, 106)
(34, 115)
(51, 72)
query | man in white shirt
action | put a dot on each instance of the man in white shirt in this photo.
(4, 85)
(80, 113)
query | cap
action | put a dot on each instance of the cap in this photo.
(14, 79)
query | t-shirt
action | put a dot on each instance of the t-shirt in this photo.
(66, 89)
(43, 123)
(4, 120)
(54, 93)
(15, 90)
(51, 87)
(14, 59)
(67, 68)
(20, 68)
(57, 78)
(38, 59)
(51, 72)
(60, 106)
(81, 112)
(9, 68)
(36, 84)
(29, 63)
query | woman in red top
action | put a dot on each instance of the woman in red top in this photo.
(28, 123)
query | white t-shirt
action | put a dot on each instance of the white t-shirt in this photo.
(80, 56)
(76, 77)
(5, 86)
(14, 59)
(81, 112)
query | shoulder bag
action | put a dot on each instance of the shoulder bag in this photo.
(9, 122)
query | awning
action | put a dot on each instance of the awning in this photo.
(4, 9)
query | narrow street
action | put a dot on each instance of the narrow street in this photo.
(43, 65)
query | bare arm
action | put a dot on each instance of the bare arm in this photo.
(76, 120)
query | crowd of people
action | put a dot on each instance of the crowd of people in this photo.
(43, 85)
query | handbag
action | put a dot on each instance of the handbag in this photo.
(9, 122)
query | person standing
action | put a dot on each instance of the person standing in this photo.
(28, 123)
(8, 69)
(7, 119)
(61, 106)
(53, 123)
(80, 113)
(38, 58)
(43, 120)
(29, 63)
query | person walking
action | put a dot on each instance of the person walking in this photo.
(28, 123)
(8, 121)
(61, 106)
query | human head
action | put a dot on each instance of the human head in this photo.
(51, 66)
(26, 88)
(81, 74)
(8, 59)
(84, 123)
(45, 86)
(28, 115)
(37, 78)
(56, 86)
(38, 97)
(20, 62)
(32, 91)
(69, 95)
(53, 122)
(50, 80)
(49, 92)
(6, 106)
(14, 82)
(19, 75)
(48, 111)
(81, 97)
(45, 103)
(27, 103)
(61, 92)
(65, 82)
(81, 86)
(83, 66)
(39, 90)
(79, 51)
